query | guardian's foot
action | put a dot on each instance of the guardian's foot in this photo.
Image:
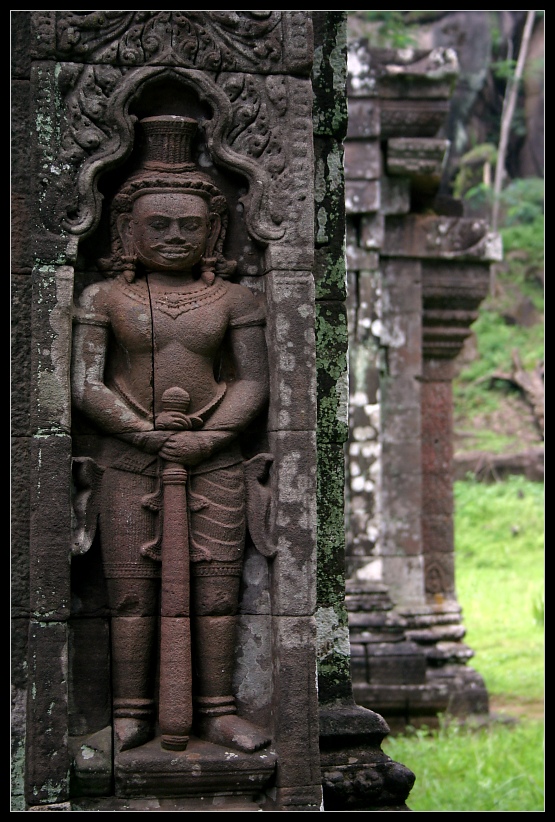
(232, 731)
(130, 733)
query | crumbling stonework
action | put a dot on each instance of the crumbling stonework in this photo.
(417, 272)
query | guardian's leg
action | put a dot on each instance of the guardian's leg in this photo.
(132, 582)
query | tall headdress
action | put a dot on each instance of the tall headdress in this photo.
(166, 164)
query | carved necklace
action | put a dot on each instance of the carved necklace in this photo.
(173, 303)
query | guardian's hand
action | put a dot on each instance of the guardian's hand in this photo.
(187, 447)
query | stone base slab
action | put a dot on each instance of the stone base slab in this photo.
(202, 770)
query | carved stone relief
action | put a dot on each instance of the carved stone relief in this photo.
(169, 367)
(266, 41)
(254, 126)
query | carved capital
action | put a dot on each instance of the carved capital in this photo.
(451, 295)
(441, 238)
(413, 86)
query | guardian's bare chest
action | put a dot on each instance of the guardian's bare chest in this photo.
(196, 320)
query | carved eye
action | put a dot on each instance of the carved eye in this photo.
(192, 224)
(158, 224)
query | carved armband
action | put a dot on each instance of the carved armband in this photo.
(257, 317)
(81, 317)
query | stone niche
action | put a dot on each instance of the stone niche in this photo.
(263, 92)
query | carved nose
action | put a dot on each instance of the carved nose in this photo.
(174, 234)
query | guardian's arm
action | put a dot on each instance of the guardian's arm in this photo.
(90, 394)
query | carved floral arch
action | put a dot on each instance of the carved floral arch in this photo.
(102, 145)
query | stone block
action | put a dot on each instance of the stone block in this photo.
(360, 259)
(252, 678)
(364, 118)
(47, 754)
(21, 248)
(402, 533)
(21, 288)
(329, 201)
(437, 451)
(395, 663)
(293, 570)
(20, 135)
(20, 510)
(401, 334)
(331, 524)
(52, 315)
(439, 576)
(395, 196)
(362, 196)
(18, 717)
(438, 534)
(332, 371)
(90, 43)
(255, 582)
(291, 351)
(411, 118)
(434, 237)
(361, 80)
(329, 72)
(50, 526)
(401, 287)
(404, 576)
(372, 231)
(416, 156)
(295, 702)
(21, 37)
(401, 457)
(401, 423)
(363, 160)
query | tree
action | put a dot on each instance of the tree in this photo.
(509, 103)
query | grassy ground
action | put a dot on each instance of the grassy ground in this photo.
(495, 769)
(500, 578)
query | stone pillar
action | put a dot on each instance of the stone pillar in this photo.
(454, 256)
(267, 91)
(403, 261)
(356, 775)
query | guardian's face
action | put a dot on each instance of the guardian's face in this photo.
(169, 230)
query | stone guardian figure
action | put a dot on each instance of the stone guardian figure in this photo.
(148, 343)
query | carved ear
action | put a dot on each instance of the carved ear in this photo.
(125, 230)
(215, 228)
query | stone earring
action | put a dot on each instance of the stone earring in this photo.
(207, 269)
(129, 264)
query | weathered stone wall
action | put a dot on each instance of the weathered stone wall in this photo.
(273, 120)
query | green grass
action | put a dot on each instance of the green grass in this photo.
(497, 769)
(499, 537)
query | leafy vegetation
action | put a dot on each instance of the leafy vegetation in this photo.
(498, 766)
(393, 28)
(497, 332)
